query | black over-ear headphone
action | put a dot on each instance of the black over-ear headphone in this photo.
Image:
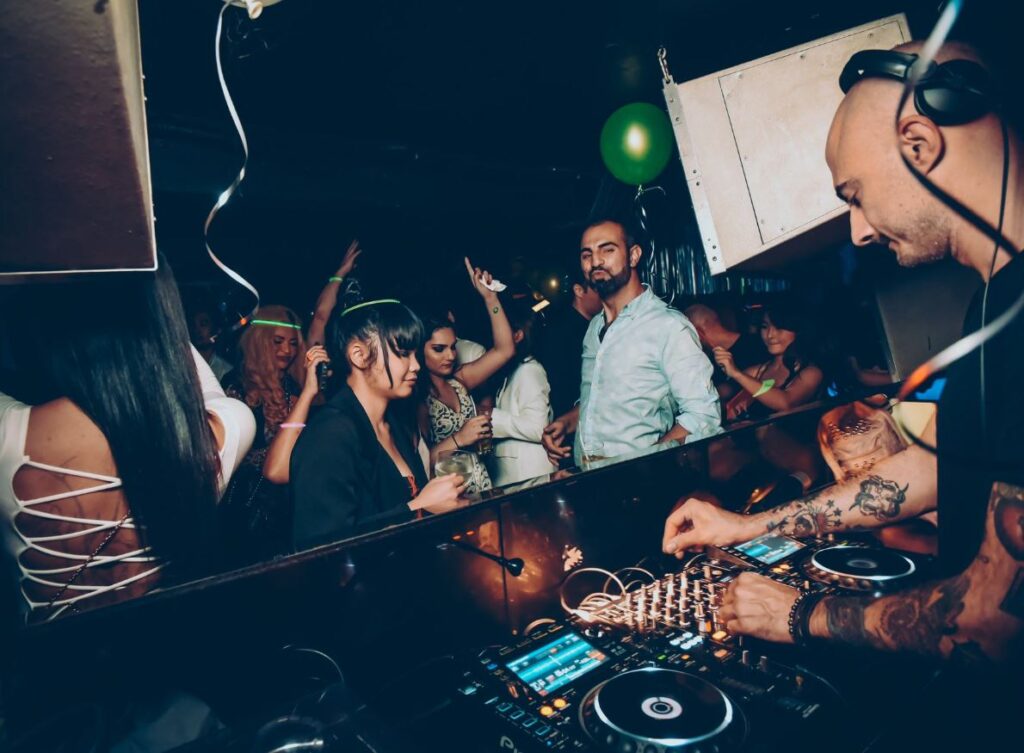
(953, 93)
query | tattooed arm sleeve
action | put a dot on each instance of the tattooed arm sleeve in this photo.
(979, 613)
(900, 486)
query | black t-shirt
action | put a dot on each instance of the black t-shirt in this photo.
(561, 355)
(970, 461)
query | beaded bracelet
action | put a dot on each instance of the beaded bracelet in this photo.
(792, 622)
(293, 425)
(799, 622)
(335, 278)
(806, 611)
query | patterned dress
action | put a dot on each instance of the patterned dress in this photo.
(444, 422)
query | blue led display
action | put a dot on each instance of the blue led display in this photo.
(557, 663)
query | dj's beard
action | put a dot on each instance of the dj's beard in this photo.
(614, 283)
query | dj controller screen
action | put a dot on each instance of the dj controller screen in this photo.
(770, 549)
(557, 663)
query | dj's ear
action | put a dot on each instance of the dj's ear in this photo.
(921, 142)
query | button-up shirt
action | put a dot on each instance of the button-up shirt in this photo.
(645, 375)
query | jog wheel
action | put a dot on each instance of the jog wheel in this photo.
(860, 568)
(655, 710)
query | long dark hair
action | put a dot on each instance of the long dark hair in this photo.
(374, 324)
(521, 317)
(117, 346)
(802, 352)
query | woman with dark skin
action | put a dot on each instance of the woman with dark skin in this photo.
(787, 380)
(448, 417)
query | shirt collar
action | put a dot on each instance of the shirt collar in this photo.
(635, 306)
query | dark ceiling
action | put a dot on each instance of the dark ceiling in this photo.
(429, 130)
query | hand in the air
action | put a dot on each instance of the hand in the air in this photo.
(348, 262)
(480, 279)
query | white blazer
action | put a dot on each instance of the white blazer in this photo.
(521, 411)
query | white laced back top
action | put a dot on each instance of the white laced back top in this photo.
(42, 545)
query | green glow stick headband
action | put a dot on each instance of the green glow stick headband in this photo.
(272, 323)
(350, 309)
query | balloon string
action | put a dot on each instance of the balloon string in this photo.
(230, 190)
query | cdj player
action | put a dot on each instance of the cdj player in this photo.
(643, 664)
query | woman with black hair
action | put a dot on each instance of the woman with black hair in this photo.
(448, 416)
(522, 408)
(111, 469)
(355, 467)
(789, 378)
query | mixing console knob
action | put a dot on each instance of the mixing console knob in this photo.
(830, 537)
(806, 585)
(707, 572)
(762, 664)
(745, 658)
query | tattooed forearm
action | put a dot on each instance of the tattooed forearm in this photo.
(807, 517)
(880, 498)
(918, 620)
(1007, 506)
(876, 499)
(846, 621)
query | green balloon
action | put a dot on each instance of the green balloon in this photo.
(636, 143)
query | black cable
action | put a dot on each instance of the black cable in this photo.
(991, 272)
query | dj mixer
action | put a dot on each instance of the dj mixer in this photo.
(641, 663)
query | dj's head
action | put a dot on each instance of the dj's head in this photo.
(947, 131)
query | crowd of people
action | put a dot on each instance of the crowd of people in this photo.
(139, 449)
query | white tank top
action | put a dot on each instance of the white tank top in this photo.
(239, 430)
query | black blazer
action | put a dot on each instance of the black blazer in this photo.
(343, 482)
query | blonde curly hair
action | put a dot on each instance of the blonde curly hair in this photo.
(262, 380)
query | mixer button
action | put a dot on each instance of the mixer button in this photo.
(559, 703)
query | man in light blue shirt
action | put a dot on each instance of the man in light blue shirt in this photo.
(645, 378)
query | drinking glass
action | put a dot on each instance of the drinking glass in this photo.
(485, 445)
(454, 461)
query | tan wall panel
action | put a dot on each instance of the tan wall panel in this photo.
(752, 142)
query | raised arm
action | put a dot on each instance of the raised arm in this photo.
(279, 454)
(900, 486)
(329, 295)
(479, 371)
